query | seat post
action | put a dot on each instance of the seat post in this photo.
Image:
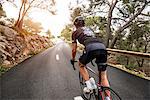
(99, 77)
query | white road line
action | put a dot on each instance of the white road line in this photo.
(57, 57)
(78, 98)
(58, 49)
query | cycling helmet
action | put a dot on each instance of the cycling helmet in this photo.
(79, 21)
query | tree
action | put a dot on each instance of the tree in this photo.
(139, 33)
(76, 12)
(67, 32)
(138, 40)
(132, 10)
(126, 25)
(98, 24)
(31, 26)
(49, 34)
(26, 5)
(120, 14)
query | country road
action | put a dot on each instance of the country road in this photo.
(50, 76)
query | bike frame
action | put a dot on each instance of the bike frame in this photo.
(99, 82)
(101, 88)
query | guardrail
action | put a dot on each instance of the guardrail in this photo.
(144, 74)
(129, 53)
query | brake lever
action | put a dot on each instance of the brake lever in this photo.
(73, 65)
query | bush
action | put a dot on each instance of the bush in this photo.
(3, 70)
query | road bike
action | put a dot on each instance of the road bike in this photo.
(101, 92)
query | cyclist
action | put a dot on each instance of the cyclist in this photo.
(94, 48)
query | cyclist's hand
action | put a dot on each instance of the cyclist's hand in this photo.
(72, 61)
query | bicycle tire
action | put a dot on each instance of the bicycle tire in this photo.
(87, 96)
(95, 95)
(113, 94)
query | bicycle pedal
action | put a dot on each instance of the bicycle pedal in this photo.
(91, 91)
(87, 91)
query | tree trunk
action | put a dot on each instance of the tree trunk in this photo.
(20, 21)
(16, 24)
(108, 30)
(127, 60)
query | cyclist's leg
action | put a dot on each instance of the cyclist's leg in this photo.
(105, 82)
(104, 79)
(83, 60)
(102, 58)
(83, 71)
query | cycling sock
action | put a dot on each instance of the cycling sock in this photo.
(88, 84)
(107, 98)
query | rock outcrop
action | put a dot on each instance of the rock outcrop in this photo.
(15, 48)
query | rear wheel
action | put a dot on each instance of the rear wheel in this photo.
(87, 96)
(113, 94)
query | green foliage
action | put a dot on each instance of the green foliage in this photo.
(120, 59)
(131, 66)
(123, 44)
(125, 1)
(67, 32)
(138, 40)
(129, 7)
(49, 34)
(31, 26)
(129, 62)
(137, 36)
(96, 20)
(76, 12)
(98, 24)
(3, 70)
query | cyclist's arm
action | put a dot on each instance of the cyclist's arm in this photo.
(74, 50)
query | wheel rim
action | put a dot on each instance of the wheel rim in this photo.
(113, 94)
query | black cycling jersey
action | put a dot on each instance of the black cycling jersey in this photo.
(84, 36)
(93, 47)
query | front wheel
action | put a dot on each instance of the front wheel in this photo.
(103, 92)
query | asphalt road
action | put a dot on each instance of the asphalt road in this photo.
(50, 76)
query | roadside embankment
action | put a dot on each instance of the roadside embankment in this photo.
(15, 47)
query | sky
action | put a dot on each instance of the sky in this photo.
(53, 22)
